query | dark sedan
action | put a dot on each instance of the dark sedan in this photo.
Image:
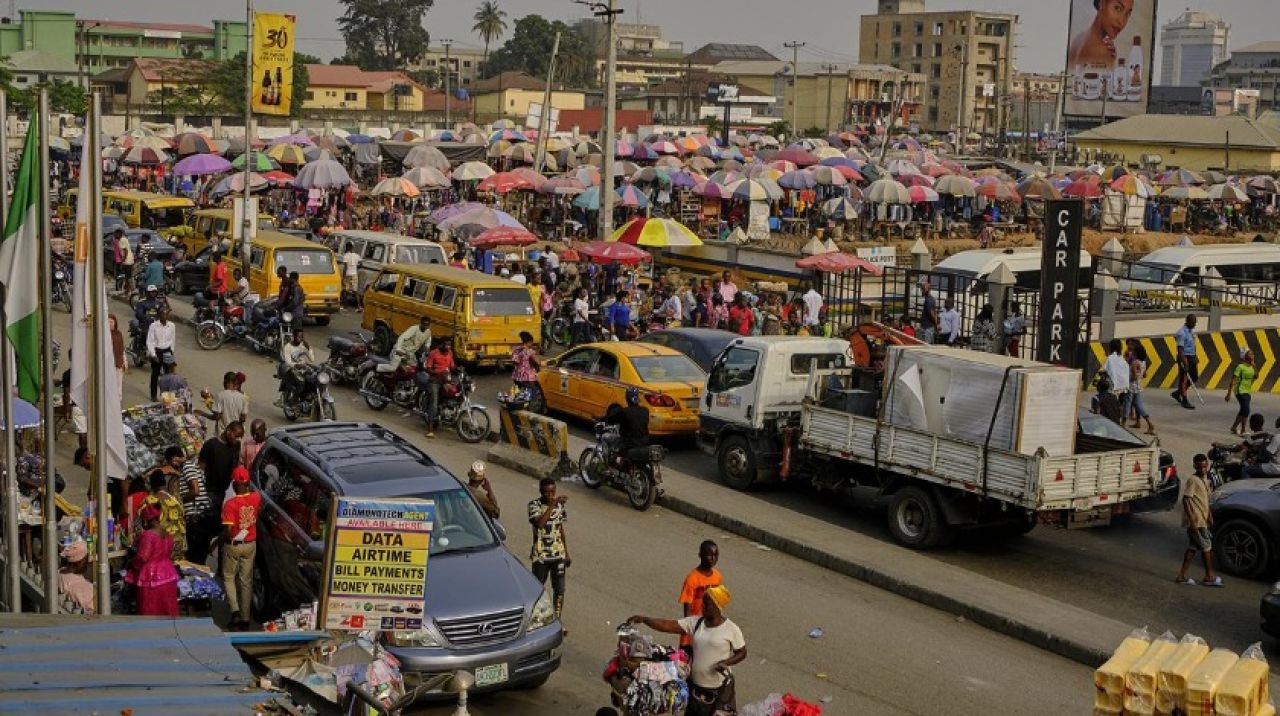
(159, 247)
(700, 344)
(192, 274)
(1246, 526)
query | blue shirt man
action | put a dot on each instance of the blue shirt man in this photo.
(619, 315)
(1188, 366)
(153, 272)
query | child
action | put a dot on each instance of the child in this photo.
(1197, 519)
(1105, 402)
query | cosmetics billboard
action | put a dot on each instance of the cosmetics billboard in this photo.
(1109, 52)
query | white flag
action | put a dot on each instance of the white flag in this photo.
(91, 333)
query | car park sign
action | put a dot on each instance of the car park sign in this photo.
(376, 564)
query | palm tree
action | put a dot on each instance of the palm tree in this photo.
(491, 23)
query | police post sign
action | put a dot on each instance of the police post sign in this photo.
(1059, 321)
(376, 564)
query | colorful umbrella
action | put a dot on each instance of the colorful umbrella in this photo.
(452, 210)
(235, 184)
(324, 174)
(655, 232)
(524, 153)
(287, 154)
(145, 156)
(1130, 185)
(902, 168)
(999, 191)
(588, 175)
(193, 143)
(261, 162)
(755, 190)
(840, 209)
(1037, 187)
(503, 182)
(472, 171)
(614, 252)
(1185, 193)
(1083, 189)
(562, 186)
(301, 139)
(799, 157)
(631, 197)
(427, 178)
(838, 263)
(201, 165)
(484, 217)
(1180, 177)
(1228, 192)
(922, 194)
(277, 177)
(528, 174)
(888, 191)
(911, 180)
(502, 236)
(395, 186)
(589, 199)
(798, 179)
(425, 155)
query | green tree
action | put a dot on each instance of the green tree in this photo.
(815, 133)
(714, 125)
(529, 51)
(491, 23)
(384, 34)
(226, 82)
(781, 128)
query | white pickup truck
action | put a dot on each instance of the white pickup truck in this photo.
(780, 408)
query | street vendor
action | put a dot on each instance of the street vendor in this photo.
(72, 579)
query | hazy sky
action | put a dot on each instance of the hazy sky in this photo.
(830, 27)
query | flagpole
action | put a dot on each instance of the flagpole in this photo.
(97, 377)
(50, 542)
(11, 500)
(13, 570)
(247, 221)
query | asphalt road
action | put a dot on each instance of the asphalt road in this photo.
(1124, 571)
(879, 653)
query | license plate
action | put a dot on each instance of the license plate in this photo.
(490, 675)
(692, 403)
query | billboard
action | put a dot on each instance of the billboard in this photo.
(1109, 54)
(273, 38)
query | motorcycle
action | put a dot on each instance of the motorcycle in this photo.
(309, 394)
(62, 285)
(347, 356)
(382, 386)
(637, 473)
(454, 407)
(136, 349)
(258, 324)
(207, 308)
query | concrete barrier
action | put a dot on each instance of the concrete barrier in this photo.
(533, 444)
(1216, 356)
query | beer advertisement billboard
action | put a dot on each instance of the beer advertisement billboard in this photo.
(273, 39)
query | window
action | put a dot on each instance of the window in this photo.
(444, 296)
(466, 63)
(459, 523)
(429, 63)
(896, 50)
(937, 29)
(502, 302)
(414, 254)
(933, 92)
(919, 29)
(256, 255)
(580, 361)
(414, 288)
(607, 366)
(660, 369)
(349, 97)
(917, 50)
(735, 369)
(310, 95)
(802, 363)
(937, 71)
(386, 282)
(937, 49)
(306, 261)
(933, 114)
(897, 29)
(375, 251)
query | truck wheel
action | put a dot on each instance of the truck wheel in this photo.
(916, 520)
(737, 462)
(1242, 549)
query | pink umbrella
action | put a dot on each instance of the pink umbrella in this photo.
(623, 149)
(838, 263)
(503, 182)
(502, 236)
(631, 197)
(799, 157)
(615, 252)
(917, 180)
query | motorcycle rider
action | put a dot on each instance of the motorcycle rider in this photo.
(438, 365)
(148, 308)
(413, 340)
(1266, 458)
(294, 356)
(152, 270)
(632, 422)
(1254, 449)
(217, 277)
(241, 292)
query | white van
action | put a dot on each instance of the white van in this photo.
(1023, 262)
(1180, 266)
(379, 248)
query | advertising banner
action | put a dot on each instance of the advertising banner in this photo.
(1109, 53)
(376, 564)
(273, 39)
(1059, 320)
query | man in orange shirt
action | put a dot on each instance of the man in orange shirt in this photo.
(702, 577)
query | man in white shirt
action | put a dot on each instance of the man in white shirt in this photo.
(812, 306)
(728, 290)
(160, 337)
(296, 352)
(949, 323)
(519, 277)
(1117, 370)
(553, 261)
(414, 339)
(672, 309)
(579, 329)
(351, 271)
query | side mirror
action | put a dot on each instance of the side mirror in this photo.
(502, 531)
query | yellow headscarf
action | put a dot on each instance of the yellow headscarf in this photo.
(720, 595)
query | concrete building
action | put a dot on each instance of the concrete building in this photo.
(509, 95)
(1254, 67)
(149, 80)
(1034, 101)
(1235, 144)
(346, 88)
(464, 63)
(637, 70)
(967, 56)
(830, 96)
(1191, 46)
(684, 100)
(633, 38)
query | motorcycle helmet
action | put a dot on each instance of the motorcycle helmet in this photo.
(633, 396)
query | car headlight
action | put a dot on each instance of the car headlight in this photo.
(424, 637)
(544, 612)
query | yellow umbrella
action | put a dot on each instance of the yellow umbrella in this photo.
(287, 154)
(655, 232)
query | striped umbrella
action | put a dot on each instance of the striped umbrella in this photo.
(622, 148)
(888, 191)
(260, 162)
(1130, 185)
(395, 186)
(701, 164)
(287, 154)
(484, 217)
(631, 197)
(999, 191)
(902, 168)
(798, 179)
(1227, 192)
(1184, 193)
(922, 194)
(193, 143)
(712, 190)
(1110, 174)
(588, 175)
(911, 180)
(655, 232)
(827, 153)
(665, 147)
(840, 209)
(669, 162)
(827, 176)
(524, 153)
(1180, 177)
(725, 177)
(1037, 187)
(754, 190)
(145, 156)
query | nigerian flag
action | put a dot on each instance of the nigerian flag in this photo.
(19, 271)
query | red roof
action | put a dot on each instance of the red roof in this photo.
(591, 120)
(174, 70)
(434, 102)
(336, 76)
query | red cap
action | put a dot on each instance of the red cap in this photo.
(240, 474)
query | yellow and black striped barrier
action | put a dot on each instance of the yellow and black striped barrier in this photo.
(1216, 356)
(533, 444)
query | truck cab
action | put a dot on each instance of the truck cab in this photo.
(754, 392)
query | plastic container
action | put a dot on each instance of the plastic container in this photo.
(1171, 681)
(1266, 710)
(1109, 678)
(1140, 682)
(1203, 682)
(1244, 689)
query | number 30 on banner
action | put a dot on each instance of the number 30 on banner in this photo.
(273, 38)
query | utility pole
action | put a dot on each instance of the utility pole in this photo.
(610, 13)
(830, 81)
(963, 51)
(1057, 124)
(1026, 119)
(448, 70)
(544, 119)
(248, 221)
(795, 85)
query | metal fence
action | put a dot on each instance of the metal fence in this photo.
(1152, 288)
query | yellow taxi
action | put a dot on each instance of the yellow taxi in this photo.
(588, 380)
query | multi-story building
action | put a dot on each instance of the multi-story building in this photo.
(464, 64)
(1255, 67)
(830, 96)
(510, 94)
(966, 55)
(1191, 46)
(632, 37)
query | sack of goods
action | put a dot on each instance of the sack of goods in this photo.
(646, 677)
(1166, 675)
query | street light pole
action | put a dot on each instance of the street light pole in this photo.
(246, 224)
(610, 13)
(448, 70)
(795, 85)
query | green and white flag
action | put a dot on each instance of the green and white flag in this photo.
(19, 270)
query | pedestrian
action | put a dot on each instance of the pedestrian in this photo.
(741, 317)
(239, 545)
(151, 569)
(928, 314)
(172, 520)
(217, 277)
(1015, 326)
(618, 316)
(812, 305)
(550, 553)
(125, 268)
(949, 323)
(580, 328)
(218, 457)
(160, 341)
(438, 365)
(1241, 386)
(1198, 520)
(1265, 449)
(482, 490)
(230, 404)
(1118, 371)
(525, 364)
(986, 335)
(351, 272)
(117, 352)
(1188, 365)
(1137, 376)
(719, 313)
(717, 645)
(697, 582)
(250, 448)
(728, 290)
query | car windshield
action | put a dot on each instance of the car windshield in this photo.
(502, 302)
(663, 369)
(419, 254)
(305, 261)
(1153, 273)
(1102, 427)
(459, 526)
(165, 218)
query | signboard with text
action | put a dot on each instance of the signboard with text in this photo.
(1109, 50)
(1059, 320)
(273, 38)
(376, 564)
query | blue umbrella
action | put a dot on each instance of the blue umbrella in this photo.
(25, 415)
(359, 139)
(798, 179)
(589, 199)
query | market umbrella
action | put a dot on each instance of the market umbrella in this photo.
(360, 139)
(1130, 185)
(754, 190)
(615, 252)
(798, 179)
(287, 154)
(587, 146)
(712, 190)
(999, 191)
(649, 175)
(902, 167)
(840, 209)
(669, 162)
(1264, 184)
(234, 184)
(888, 191)
(324, 174)
(563, 186)
(395, 186)
(1180, 177)
(405, 135)
(504, 182)
(1185, 193)
(828, 176)
(588, 175)
(1083, 189)
(201, 165)
(485, 217)
(524, 153)
(701, 164)
(631, 197)
(725, 177)
(25, 415)
(1037, 187)
(588, 199)
(911, 180)
(260, 162)
(452, 210)
(276, 176)
(836, 262)
(193, 143)
(827, 153)
(145, 156)
(1227, 192)
(151, 142)
(799, 157)
(922, 194)
(472, 171)
(427, 178)
(1213, 176)
(655, 232)
(502, 236)
(332, 142)
(315, 153)
(300, 139)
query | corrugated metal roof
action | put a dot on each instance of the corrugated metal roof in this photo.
(75, 664)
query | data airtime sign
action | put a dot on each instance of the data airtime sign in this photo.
(376, 564)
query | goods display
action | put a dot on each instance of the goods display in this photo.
(153, 427)
(1140, 682)
(1244, 689)
(1168, 676)
(1171, 681)
(1203, 684)
(647, 678)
